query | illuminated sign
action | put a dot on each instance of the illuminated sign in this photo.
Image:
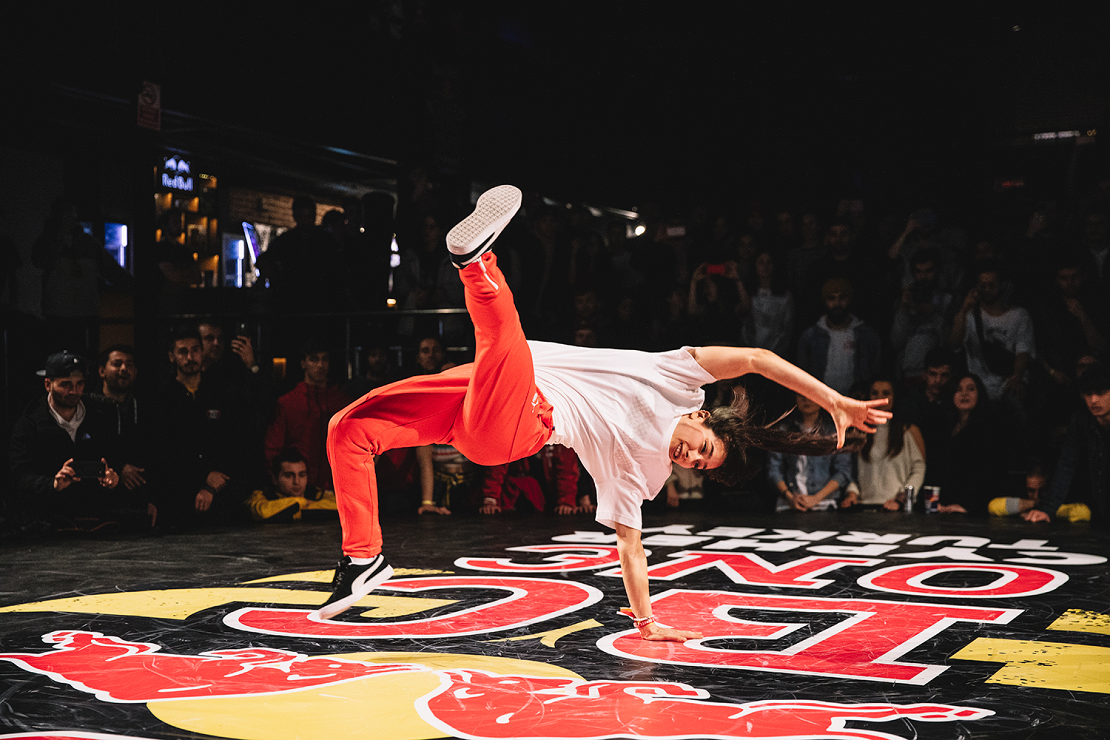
(1054, 135)
(176, 174)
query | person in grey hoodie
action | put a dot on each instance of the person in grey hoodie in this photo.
(839, 349)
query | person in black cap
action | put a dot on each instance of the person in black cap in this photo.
(56, 449)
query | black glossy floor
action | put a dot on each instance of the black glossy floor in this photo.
(816, 626)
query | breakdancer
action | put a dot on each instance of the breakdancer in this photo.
(629, 415)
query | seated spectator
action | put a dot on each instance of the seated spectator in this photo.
(1036, 483)
(926, 404)
(968, 462)
(289, 496)
(197, 431)
(807, 253)
(1070, 321)
(551, 475)
(237, 374)
(377, 371)
(843, 260)
(839, 349)
(53, 434)
(302, 416)
(585, 310)
(430, 356)
(629, 330)
(445, 474)
(716, 301)
(117, 404)
(808, 482)
(770, 322)
(214, 363)
(920, 319)
(891, 459)
(591, 267)
(997, 339)
(685, 484)
(1083, 471)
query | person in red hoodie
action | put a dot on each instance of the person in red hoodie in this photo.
(301, 419)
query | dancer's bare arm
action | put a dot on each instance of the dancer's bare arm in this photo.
(634, 572)
(732, 362)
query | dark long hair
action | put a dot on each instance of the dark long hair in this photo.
(981, 412)
(779, 282)
(735, 427)
(897, 425)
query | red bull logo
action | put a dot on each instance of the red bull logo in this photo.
(475, 704)
(120, 671)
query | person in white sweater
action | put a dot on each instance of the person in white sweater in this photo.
(891, 459)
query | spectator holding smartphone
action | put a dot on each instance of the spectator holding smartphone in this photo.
(58, 451)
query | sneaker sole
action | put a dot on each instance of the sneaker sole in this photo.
(338, 607)
(474, 235)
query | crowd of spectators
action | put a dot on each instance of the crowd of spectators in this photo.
(988, 343)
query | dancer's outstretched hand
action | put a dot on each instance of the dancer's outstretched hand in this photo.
(863, 415)
(658, 632)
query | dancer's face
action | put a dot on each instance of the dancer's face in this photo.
(694, 445)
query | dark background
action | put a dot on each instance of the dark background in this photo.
(613, 102)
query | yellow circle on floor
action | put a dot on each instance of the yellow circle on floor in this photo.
(377, 706)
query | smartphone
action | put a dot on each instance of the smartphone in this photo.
(242, 329)
(717, 269)
(88, 468)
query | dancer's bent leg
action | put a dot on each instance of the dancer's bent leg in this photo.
(504, 416)
(409, 413)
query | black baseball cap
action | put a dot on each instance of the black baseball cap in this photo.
(63, 364)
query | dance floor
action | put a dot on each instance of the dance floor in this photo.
(815, 626)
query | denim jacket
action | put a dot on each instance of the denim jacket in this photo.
(820, 469)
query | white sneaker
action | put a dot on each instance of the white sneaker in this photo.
(474, 235)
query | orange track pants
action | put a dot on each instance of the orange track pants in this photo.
(490, 410)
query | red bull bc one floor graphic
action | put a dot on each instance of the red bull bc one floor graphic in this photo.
(866, 626)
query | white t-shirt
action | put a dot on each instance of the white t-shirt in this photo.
(617, 409)
(1013, 330)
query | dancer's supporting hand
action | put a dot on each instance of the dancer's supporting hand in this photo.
(657, 632)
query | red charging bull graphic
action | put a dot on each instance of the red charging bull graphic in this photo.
(481, 705)
(116, 670)
(69, 736)
(468, 703)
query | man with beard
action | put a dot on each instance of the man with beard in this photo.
(52, 434)
(117, 404)
(194, 425)
(840, 350)
(997, 339)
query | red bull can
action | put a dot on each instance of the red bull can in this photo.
(932, 498)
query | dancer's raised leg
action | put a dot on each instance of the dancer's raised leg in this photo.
(504, 415)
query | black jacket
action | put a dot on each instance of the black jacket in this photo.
(193, 436)
(39, 447)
